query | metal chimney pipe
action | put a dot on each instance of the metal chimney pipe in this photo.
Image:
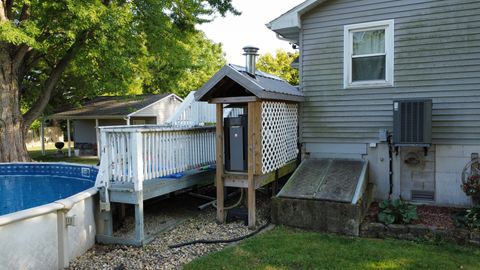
(250, 53)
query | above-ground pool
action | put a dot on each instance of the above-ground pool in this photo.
(19, 192)
(24, 186)
(47, 214)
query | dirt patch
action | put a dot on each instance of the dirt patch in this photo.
(429, 215)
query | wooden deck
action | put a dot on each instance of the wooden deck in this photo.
(124, 193)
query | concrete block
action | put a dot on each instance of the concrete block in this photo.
(378, 170)
(448, 190)
(451, 164)
(450, 151)
(397, 228)
(469, 149)
(418, 230)
(372, 230)
(406, 236)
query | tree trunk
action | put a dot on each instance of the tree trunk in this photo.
(12, 129)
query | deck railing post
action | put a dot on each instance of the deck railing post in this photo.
(136, 145)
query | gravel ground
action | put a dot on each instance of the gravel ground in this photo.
(157, 254)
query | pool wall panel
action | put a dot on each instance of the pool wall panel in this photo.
(30, 243)
(38, 238)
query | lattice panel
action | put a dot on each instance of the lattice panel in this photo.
(279, 134)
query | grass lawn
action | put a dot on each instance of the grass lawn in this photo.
(285, 248)
(50, 151)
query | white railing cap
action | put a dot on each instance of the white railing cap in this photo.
(153, 128)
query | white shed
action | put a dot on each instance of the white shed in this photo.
(114, 111)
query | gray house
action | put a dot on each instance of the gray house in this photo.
(360, 59)
(114, 111)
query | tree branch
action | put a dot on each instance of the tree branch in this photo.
(9, 8)
(20, 55)
(25, 13)
(39, 105)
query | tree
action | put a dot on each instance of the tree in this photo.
(279, 65)
(106, 45)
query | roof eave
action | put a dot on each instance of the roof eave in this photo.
(132, 114)
(85, 117)
(227, 71)
(288, 25)
(283, 97)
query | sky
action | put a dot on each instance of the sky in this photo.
(235, 32)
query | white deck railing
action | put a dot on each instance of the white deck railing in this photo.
(133, 154)
(192, 113)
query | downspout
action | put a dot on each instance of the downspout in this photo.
(390, 163)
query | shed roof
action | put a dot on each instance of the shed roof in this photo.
(233, 80)
(105, 107)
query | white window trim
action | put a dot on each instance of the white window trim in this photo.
(389, 27)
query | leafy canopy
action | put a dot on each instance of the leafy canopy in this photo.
(116, 47)
(279, 65)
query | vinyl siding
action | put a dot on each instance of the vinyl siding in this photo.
(437, 56)
(162, 109)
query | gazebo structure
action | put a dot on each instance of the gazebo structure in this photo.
(260, 145)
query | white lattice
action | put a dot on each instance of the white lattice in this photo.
(279, 134)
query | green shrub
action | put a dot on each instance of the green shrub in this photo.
(397, 211)
(469, 218)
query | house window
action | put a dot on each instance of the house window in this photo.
(368, 54)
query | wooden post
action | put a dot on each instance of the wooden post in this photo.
(220, 167)
(257, 138)
(251, 112)
(136, 141)
(69, 149)
(136, 145)
(42, 135)
(139, 226)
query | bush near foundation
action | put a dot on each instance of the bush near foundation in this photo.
(397, 211)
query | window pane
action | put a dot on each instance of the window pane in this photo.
(368, 68)
(368, 42)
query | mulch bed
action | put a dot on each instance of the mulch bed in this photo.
(429, 215)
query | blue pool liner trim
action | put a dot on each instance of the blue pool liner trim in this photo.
(56, 169)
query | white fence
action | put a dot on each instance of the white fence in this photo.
(138, 153)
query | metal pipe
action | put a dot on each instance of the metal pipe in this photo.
(250, 53)
(42, 135)
(69, 149)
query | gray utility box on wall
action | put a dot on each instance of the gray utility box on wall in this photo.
(412, 122)
(236, 143)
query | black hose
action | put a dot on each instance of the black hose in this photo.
(217, 241)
